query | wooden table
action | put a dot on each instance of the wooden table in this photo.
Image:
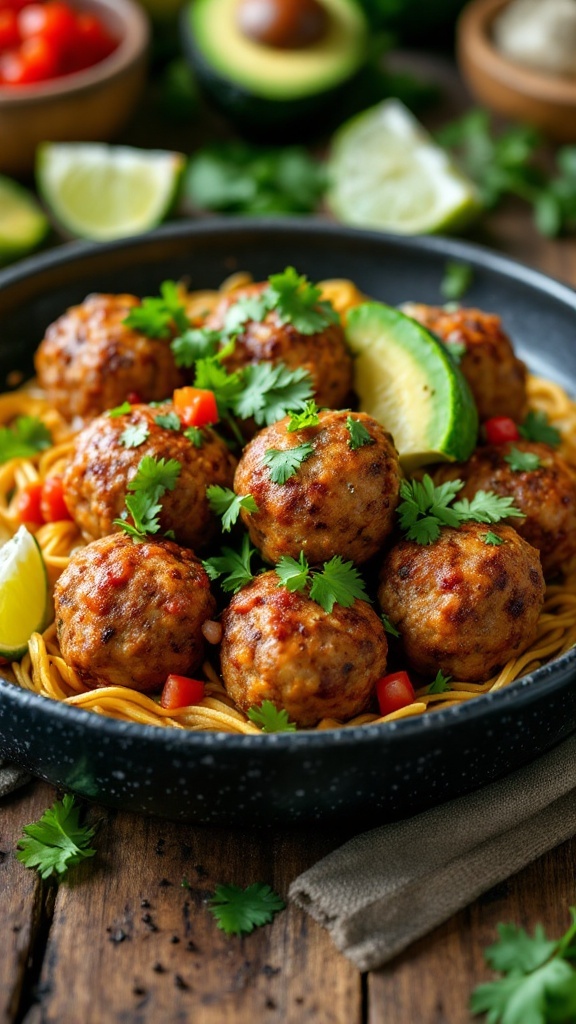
(121, 941)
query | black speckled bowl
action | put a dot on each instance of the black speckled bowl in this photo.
(367, 774)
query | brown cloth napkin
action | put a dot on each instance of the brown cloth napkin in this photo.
(11, 777)
(387, 887)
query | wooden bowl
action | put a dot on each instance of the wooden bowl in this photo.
(546, 101)
(88, 105)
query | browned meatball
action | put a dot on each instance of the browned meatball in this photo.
(462, 605)
(89, 361)
(546, 495)
(285, 648)
(129, 614)
(340, 501)
(324, 354)
(96, 478)
(496, 377)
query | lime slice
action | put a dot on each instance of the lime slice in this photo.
(406, 379)
(23, 593)
(102, 192)
(385, 172)
(22, 222)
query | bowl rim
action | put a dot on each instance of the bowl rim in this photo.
(529, 689)
(473, 34)
(132, 47)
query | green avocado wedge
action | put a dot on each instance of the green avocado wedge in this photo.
(406, 379)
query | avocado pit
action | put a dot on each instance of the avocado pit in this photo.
(283, 24)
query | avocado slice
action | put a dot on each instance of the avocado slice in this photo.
(406, 379)
(265, 89)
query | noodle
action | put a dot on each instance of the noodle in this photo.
(44, 671)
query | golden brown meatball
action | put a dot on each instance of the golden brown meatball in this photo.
(324, 355)
(546, 495)
(96, 478)
(129, 614)
(496, 377)
(285, 648)
(90, 361)
(462, 605)
(340, 501)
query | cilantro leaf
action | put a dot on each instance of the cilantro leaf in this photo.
(441, 683)
(238, 911)
(307, 418)
(120, 410)
(515, 950)
(270, 718)
(247, 307)
(157, 317)
(157, 475)
(456, 280)
(294, 574)
(169, 421)
(270, 391)
(522, 462)
(233, 565)
(227, 387)
(389, 626)
(494, 539)
(487, 507)
(337, 583)
(152, 479)
(195, 435)
(134, 435)
(196, 343)
(57, 840)
(297, 302)
(25, 438)
(426, 508)
(223, 502)
(537, 428)
(359, 436)
(285, 463)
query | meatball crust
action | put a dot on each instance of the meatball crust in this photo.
(546, 495)
(497, 378)
(341, 500)
(283, 647)
(96, 479)
(129, 614)
(324, 354)
(461, 605)
(90, 361)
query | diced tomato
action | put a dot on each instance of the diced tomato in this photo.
(394, 691)
(134, 398)
(92, 42)
(13, 5)
(180, 692)
(34, 61)
(28, 502)
(196, 407)
(9, 34)
(52, 501)
(500, 429)
(43, 40)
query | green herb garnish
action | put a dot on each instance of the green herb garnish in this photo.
(456, 281)
(338, 582)
(223, 502)
(270, 718)
(537, 428)
(134, 435)
(493, 539)
(25, 438)
(120, 410)
(441, 683)
(389, 626)
(234, 566)
(57, 841)
(195, 343)
(238, 911)
(285, 463)
(359, 436)
(195, 436)
(159, 317)
(307, 418)
(153, 478)
(169, 421)
(522, 462)
(425, 508)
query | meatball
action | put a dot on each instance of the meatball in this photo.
(129, 614)
(323, 354)
(103, 463)
(284, 647)
(340, 501)
(496, 377)
(90, 361)
(546, 495)
(462, 605)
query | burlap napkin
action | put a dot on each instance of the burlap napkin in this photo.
(387, 887)
(11, 777)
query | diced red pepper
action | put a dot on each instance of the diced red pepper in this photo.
(181, 691)
(394, 691)
(52, 502)
(9, 33)
(196, 407)
(28, 504)
(500, 429)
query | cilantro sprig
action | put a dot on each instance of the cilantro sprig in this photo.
(426, 508)
(238, 911)
(134, 435)
(389, 625)
(57, 840)
(159, 317)
(298, 302)
(225, 503)
(359, 436)
(309, 417)
(233, 566)
(522, 462)
(537, 428)
(338, 582)
(152, 479)
(456, 280)
(270, 718)
(284, 463)
(270, 391)
(25, 438)
(440, 684)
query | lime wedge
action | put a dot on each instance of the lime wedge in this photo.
(406, 379)
(23, 593)
(22, 222)
(385, 172)
(102, 192)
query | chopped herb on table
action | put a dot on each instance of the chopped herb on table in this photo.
(239, 911)
(57, 840)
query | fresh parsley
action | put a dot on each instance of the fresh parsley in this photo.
(195, 343)
(234, 566)
(285, 463)
(389, 626)
(169, 421)
(160, 317)
(270, 718)
(152, 479)
(359, 436)
(441, 683)
(338, 582)
(25, 438)
(537, 428)
(134, 435)
(426, 508)
(522, 462)
(57, 840)
(302, 420)
(493, 539)
(538, 983)
(456, 280)
(223, 502)
(238, 911)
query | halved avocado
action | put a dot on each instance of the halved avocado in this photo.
(265, 90)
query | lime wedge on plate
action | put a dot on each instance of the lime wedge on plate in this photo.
(103, 192)
(22, 222)
(406, 379)
(385, 172)
(23, 593)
